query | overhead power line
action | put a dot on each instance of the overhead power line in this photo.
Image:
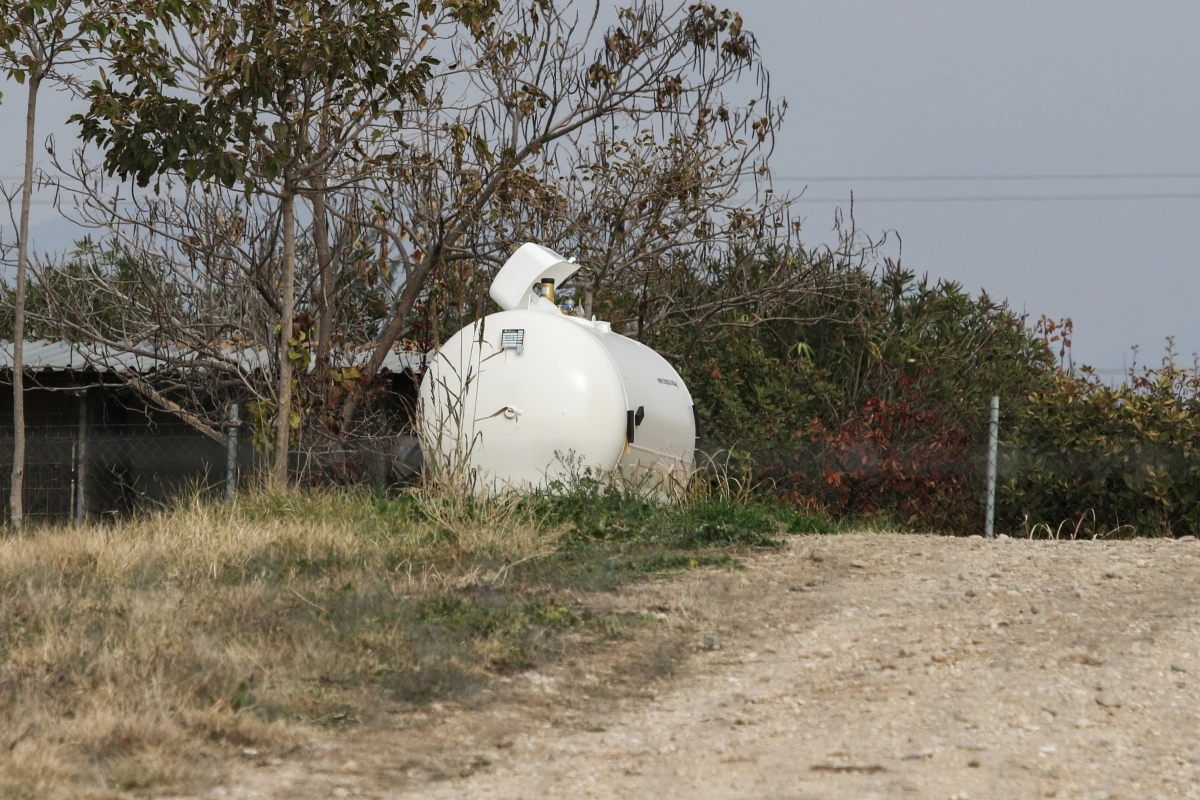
(1035, 176)
(1006, 198)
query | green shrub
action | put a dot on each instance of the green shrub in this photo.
(1082, 458)
(870, 401)
(603, 512)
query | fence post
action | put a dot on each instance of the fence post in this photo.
(81, 470)
(231, 456)
(989, 529)
(381, 471)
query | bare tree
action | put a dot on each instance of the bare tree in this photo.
(268, 96)
(179, 286)
(638, 144)
(621, 143)
(38, 40)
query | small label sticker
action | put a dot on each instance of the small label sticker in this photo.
(667, 382)
(512, 339)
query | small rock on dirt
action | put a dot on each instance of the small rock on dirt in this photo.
(1178, 667)
(858, 563)
(1108, 699)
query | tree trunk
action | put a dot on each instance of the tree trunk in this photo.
(16, 496)
(283, 421)
(408, 298)
(324, 287)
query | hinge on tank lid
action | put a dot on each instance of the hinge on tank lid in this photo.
(640, 415)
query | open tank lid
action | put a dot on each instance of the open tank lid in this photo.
(513, 286)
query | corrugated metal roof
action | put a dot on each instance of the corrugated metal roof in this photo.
(398, 361)
(52, 355)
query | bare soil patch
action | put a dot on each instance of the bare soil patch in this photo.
(851, 666)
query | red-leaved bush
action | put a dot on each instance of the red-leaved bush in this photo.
(913, 464)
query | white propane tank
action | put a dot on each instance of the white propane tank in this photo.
(529, 395)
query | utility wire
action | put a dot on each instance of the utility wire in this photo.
(1056, 176)
(1005, 198)
(1034, 176)
(1067, 176)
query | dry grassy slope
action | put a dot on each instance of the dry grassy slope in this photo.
(846, 667)
(139, 655)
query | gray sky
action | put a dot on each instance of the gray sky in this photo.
(929, 87)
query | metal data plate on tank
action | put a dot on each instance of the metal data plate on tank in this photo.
(512, 338)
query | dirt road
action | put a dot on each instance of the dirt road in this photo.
(866, 666)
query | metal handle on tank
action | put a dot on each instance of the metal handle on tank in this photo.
(632, 420)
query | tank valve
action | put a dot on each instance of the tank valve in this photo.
(547, 285)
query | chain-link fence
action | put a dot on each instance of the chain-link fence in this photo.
(1053, 482)
(1062, 493)
(109, 471)
(1112, 467)
(1119, 465)
(115, 470)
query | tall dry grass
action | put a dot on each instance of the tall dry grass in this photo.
(136, 654)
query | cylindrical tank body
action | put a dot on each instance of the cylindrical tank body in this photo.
(524, 397)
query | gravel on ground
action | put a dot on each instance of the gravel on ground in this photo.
(851, 666)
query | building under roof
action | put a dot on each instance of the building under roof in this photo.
(49, 354)
(96, 445)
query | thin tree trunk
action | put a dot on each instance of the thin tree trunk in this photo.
(16, 497)
(408, 298)
(283, 423)
(324, 268)
(324, 288)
